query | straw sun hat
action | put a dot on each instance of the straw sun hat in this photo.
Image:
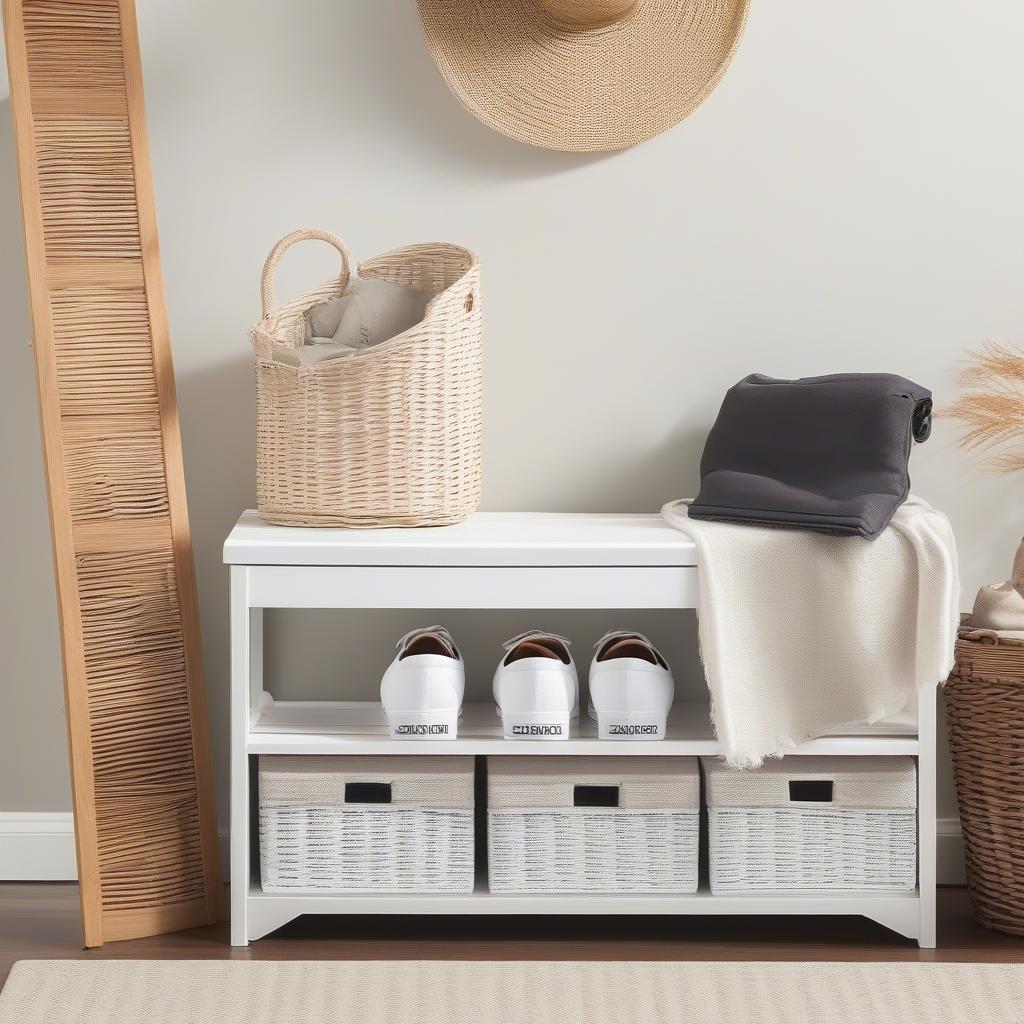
(582, 75)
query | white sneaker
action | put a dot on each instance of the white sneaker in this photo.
(536, 688)
(631, 688)
(423, 687)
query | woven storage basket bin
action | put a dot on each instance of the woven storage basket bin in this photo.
(323, 826)
(552, 825)
(391, 436)
(984, 701)
(813, 824)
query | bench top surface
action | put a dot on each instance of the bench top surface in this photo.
(484, 539)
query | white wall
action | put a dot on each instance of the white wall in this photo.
(848, 199)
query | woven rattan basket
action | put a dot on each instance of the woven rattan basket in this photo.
(817, 824)
(387, 437)
(985, 711)
(593, 824)
(366, 824)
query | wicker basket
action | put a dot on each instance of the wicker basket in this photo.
(985, 711)
(593, 824)
(813, 824)
(366, 824)
(388, 437)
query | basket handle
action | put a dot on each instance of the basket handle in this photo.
(812, 791)
(367, 792)
(595, 796)
(267, 277)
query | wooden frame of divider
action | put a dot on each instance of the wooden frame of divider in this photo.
(145, 817)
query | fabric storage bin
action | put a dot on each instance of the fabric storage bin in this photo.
(593, 824)
(813, 823)
(391, 436)
(366, 824)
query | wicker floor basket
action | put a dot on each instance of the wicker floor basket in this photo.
(985, 711)
(388, 437)
(597, 824)
(366, 824)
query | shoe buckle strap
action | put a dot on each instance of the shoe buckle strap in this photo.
(535, 634)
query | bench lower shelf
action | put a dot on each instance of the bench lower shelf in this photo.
(898, 911)
(349, 727)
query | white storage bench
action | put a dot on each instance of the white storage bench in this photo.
(589, 824)
(813, 824)
(501, 561)
(366, 824)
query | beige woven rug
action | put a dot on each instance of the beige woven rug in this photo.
(439, 992)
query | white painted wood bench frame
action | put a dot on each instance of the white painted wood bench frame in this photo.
(499, 561)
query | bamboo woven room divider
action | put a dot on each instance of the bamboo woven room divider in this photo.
(145, 819)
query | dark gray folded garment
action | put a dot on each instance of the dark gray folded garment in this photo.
(821, 453)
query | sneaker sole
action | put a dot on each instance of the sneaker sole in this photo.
(631, 727)
(535, 727)
(423, 725)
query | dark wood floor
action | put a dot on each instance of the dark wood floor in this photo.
(40, 921)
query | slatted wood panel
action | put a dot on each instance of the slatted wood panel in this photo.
(144, 811)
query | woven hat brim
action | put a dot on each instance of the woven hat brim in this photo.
(537, 79)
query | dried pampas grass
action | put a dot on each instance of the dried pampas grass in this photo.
(992, 405)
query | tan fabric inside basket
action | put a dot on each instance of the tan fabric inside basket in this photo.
(862, 782)
(320, 780)
(658, 783)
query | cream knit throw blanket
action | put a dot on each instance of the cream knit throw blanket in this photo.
(803, 633)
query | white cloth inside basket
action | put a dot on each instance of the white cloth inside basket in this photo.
(371, 311)
(804, 633)
(998, 606)
(315, 351)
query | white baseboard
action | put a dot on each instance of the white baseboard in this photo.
(40, 847)
(37, 847)
(950, 868)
